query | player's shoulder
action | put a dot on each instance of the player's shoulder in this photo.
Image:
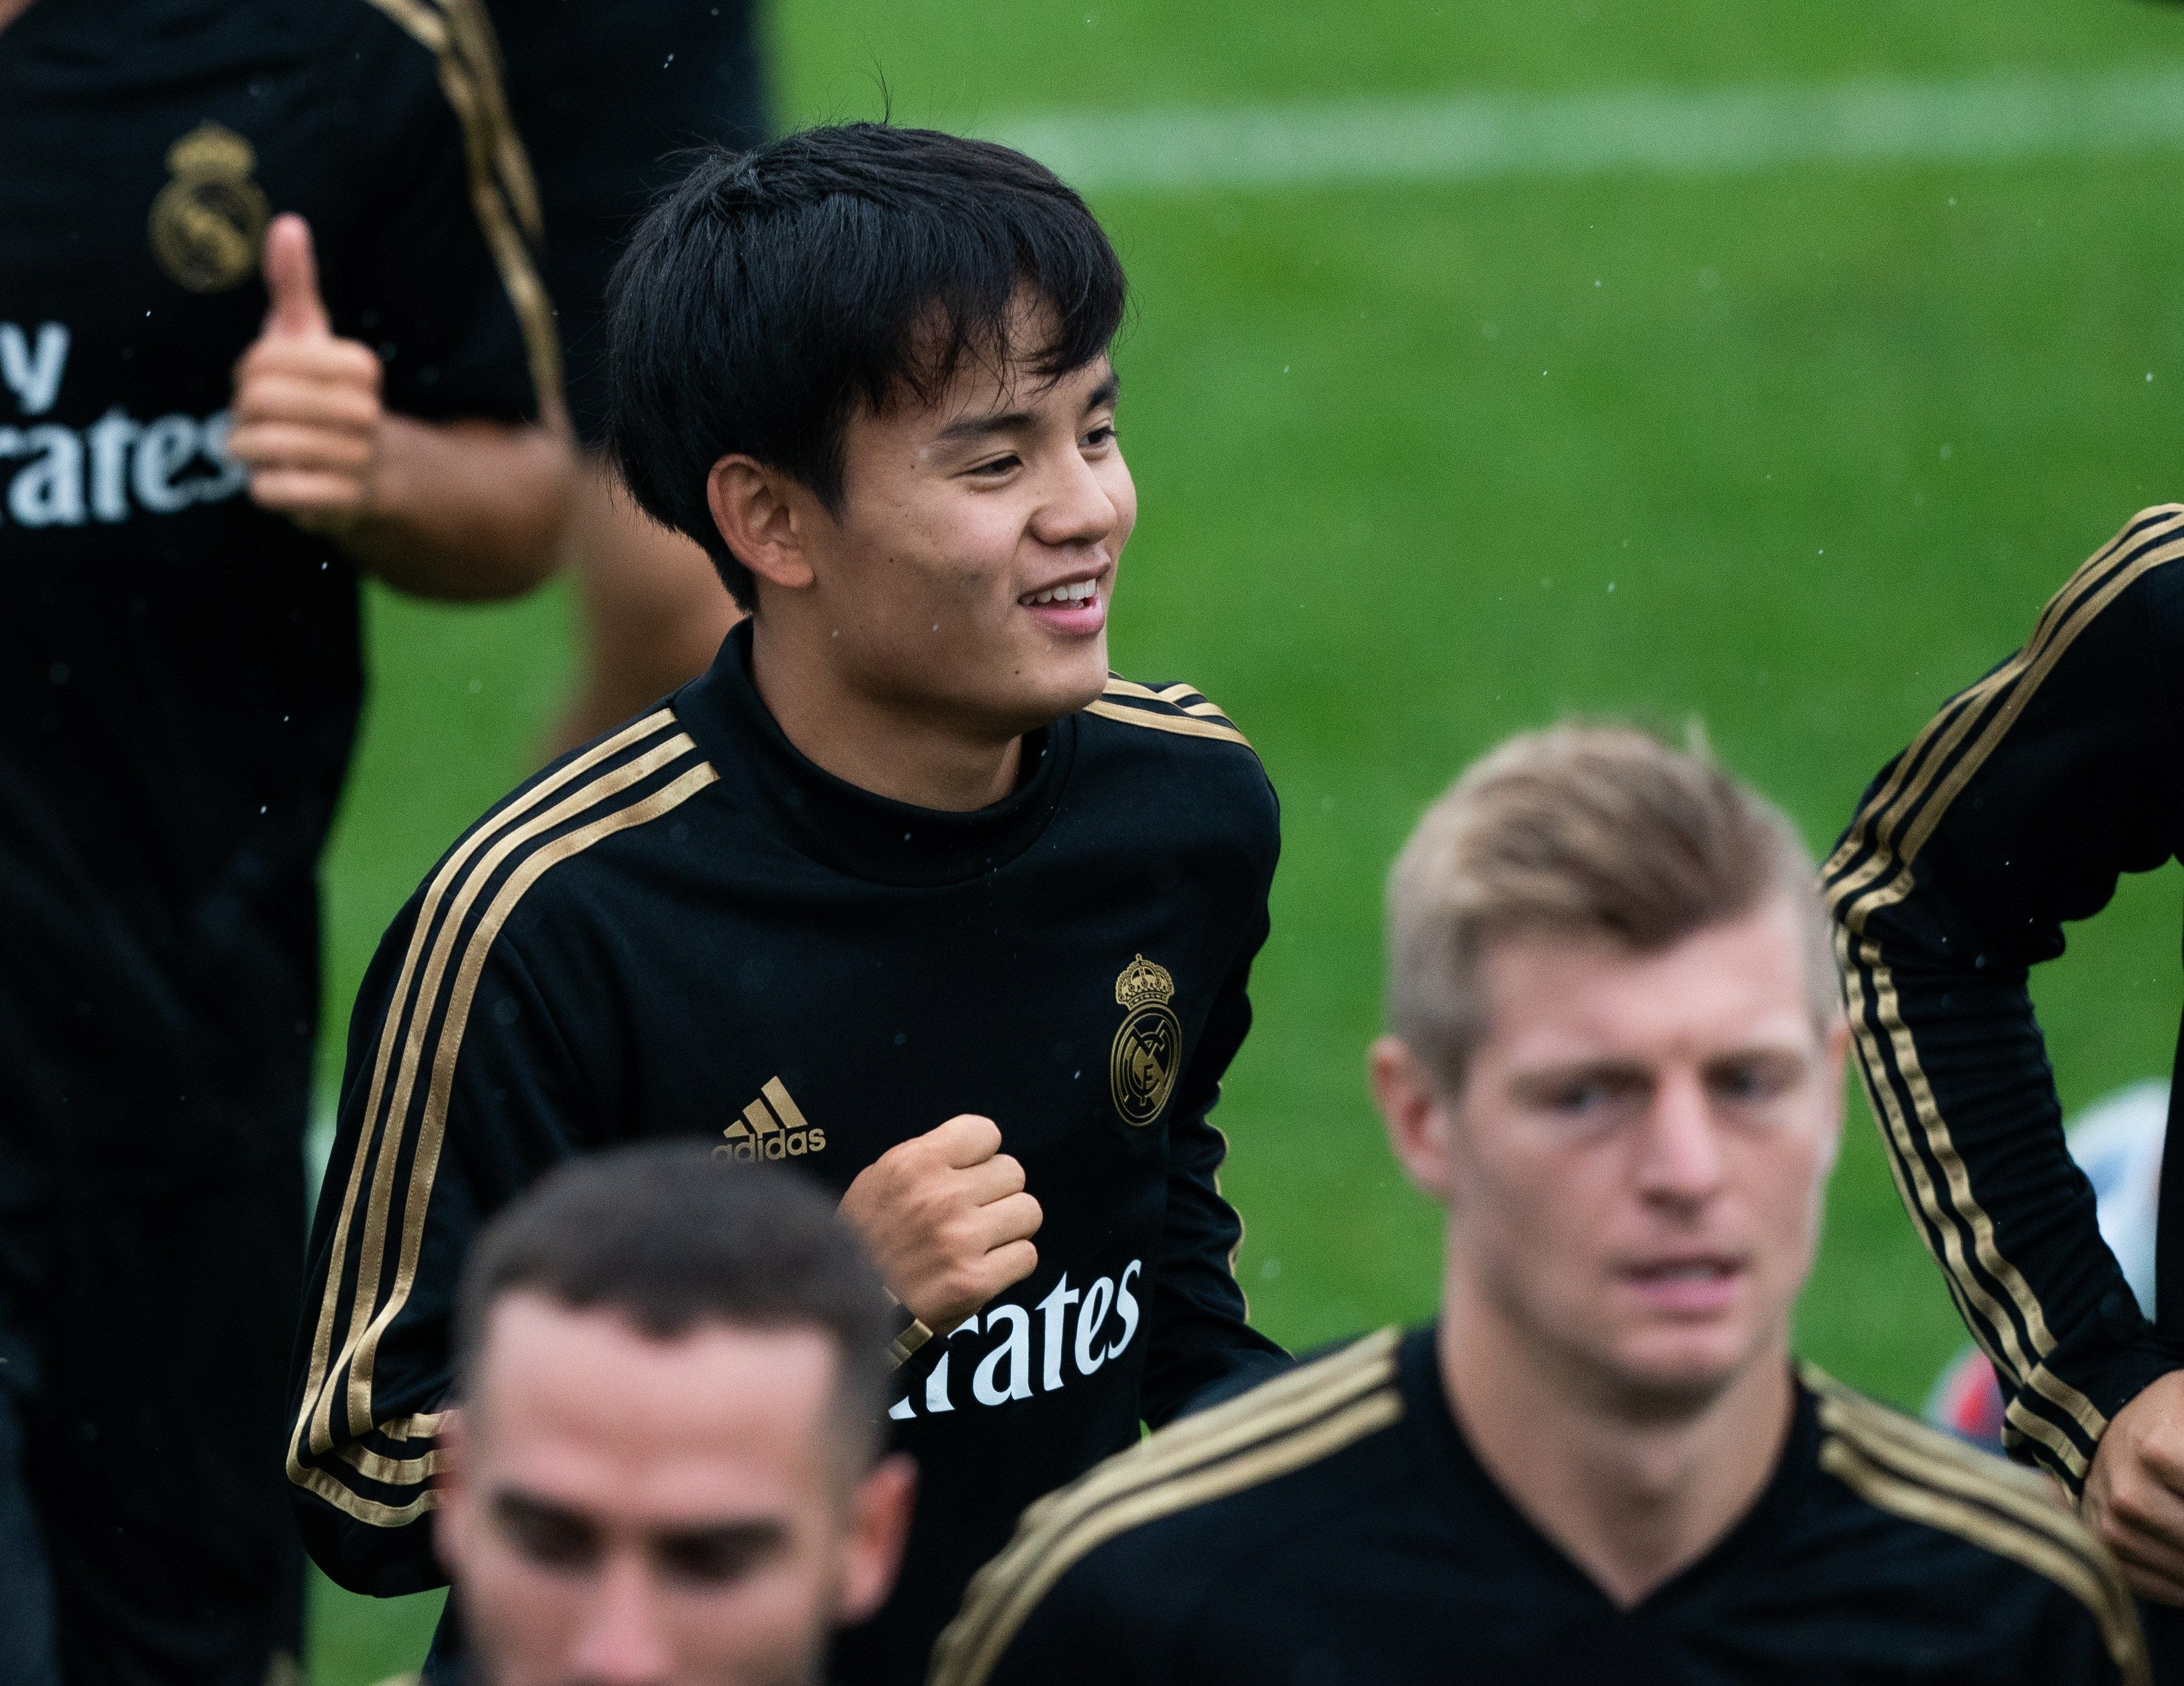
(531, 852)
(1172, 745)
(1950, 1512)
(1173, 717)
(2138, 566)
(1185, 1504)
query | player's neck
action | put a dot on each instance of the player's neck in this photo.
(1632, 1501)
(877, 743)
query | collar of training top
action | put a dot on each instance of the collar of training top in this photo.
(849, 829)
(1748, 1545)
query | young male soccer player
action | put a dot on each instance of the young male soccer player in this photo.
(205, 438)
(667, 1466)
(2012, 813)
(905, 880)
(1617, 1061)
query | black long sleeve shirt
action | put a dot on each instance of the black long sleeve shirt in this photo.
(689, 930)
(1333, 1527)
(2010, 815)
(180, 670)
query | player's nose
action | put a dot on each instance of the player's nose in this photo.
(621, 1639)
(1077, 509)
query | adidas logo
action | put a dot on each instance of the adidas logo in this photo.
(772, 1127)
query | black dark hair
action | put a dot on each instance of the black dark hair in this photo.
(771, 291)
(671, 1237)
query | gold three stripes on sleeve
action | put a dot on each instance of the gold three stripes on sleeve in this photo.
(640, 773)
(1872, 869)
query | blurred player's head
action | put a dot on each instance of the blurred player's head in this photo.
(1617, 1058)
(665, 1466)
(866, 368)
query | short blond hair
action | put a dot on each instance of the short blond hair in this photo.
(1584, 831)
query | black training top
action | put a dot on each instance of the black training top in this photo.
(689, 930)
(179, 670)
(1332, 1528)
(2011, 814)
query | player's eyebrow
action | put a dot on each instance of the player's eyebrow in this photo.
(972, 427)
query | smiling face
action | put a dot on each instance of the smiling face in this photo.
(1634, 1164)
(965, 577)
(657, 1513)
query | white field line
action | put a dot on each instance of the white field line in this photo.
(1998, 118)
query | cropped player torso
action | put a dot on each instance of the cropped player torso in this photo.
(1334, 1527)
(179, 675)
(689, 930)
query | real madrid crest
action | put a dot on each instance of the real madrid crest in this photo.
(1148, 1046)
(208, 223)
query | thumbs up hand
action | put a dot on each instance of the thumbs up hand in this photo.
(308, 419)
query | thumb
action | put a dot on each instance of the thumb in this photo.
(292, 281)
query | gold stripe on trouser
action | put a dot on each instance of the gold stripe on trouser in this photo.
(1271, 1409)
(392, 1027)
(1184, 726)
(372, 1245)
(1885, 878)
(2074, 1573)
(446, 1040)
(969, 1660)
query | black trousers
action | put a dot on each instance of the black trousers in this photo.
(145, 1534)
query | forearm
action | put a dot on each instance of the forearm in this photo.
(466, 512)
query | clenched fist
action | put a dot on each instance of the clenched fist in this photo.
(307, 416)
(2134, 1497)
(945, 1218)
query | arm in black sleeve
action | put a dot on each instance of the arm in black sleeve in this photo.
(1200, 1332)
(458, 1092)
(2011, 814)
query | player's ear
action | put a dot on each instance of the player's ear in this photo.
(879, 1523)
(763, 520)
(1417, 1118)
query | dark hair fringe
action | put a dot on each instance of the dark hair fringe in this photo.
(670, 1238)
(769, 293)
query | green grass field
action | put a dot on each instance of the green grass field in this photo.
(1795, 453)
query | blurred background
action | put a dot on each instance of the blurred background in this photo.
(1764, 366)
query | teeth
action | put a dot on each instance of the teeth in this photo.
(1078, 593)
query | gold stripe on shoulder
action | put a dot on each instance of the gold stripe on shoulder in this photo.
(1916, 1448)
(1293, 1401)
(471, 33)
(1004, 1594)
(1182, 725)
(2090, 1579)
(504, 192)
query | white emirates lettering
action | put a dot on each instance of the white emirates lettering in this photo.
(1002, 1372)
(55, 476)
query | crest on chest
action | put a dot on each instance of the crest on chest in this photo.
(1148, 1051)
(209, 220)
